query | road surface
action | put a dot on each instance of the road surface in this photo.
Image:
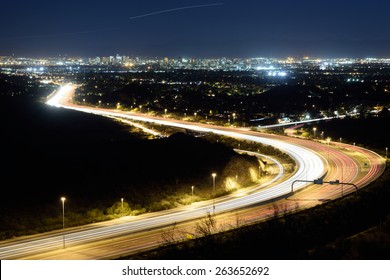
(109, 240)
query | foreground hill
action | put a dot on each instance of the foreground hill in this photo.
(94, 162)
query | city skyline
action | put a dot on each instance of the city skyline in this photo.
(196, 28)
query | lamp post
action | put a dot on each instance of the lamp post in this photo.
(63, 220)
(122, 206)
(192, 193)
(213, 175)
(314, 132)
(165, 112)
(386, 152)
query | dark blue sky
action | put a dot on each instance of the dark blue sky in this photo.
(196, 28)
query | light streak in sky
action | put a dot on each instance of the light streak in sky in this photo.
(176, 9)
(112, 28)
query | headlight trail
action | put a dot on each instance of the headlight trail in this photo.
(309, 166)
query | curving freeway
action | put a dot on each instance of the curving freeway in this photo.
(331, 161)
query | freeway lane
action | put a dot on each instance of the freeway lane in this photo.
(136, 233)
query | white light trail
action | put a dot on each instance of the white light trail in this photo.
(176, 9)
(55, 100)
(309, 164)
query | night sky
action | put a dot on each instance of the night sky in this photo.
(196, 28)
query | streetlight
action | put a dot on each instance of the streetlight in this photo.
(195, 115)
(386, 152)
(213, 175)
(63, 219)
(122, 205)
(192, 193)
(165, 112)
(328, 141)
(314, 132)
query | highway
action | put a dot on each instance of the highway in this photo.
(107, 240)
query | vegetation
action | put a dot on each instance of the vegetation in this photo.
(94, 163)
(363, 131)
(354, 227)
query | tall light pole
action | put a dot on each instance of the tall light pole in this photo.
(165, 111)
(328, 141)
(213, 175)
(386, 152)
(63, 220)
(122, 206)
(314, 132)
(192, 193)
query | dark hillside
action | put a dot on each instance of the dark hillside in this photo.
(50, 152)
